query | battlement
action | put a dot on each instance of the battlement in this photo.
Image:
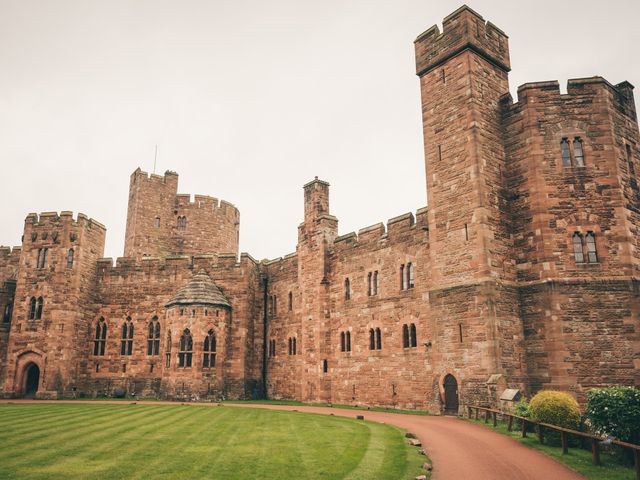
(45, 219)
(205, 202)
(7, 254)
(463, 30)
(378, 232)
(141, 176)
(622, 93)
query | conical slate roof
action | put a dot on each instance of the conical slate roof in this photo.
(200, 290)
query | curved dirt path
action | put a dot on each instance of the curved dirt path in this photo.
(459, 450)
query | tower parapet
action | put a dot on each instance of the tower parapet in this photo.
(463, 30)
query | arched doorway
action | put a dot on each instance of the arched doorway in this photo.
(31, 380)
(450, 395)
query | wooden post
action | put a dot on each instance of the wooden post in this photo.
(524, 428)
(477, 410)
(510, 424)
(565, 442)
(486, 416)
(540, 434)
(495, 420)
(469, 410)
(595, 449)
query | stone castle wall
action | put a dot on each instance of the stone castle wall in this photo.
(498, 297)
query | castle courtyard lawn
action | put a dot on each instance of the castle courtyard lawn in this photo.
(77, 441)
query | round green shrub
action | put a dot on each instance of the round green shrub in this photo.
(556, 408)
(614, 411)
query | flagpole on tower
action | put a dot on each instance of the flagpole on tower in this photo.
(155, 158)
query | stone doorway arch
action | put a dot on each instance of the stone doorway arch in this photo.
(31, 381)
(451, 398)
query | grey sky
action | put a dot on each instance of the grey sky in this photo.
(249, 100)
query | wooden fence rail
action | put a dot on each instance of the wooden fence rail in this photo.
(564, 433)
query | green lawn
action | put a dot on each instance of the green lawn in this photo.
(74, 441)
(577, 459)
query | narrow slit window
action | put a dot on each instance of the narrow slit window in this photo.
(70, 255)
(566, 152)
(39, 307)
(414, 336)
(343, 342)
(578, 152)
(348, 341)
(294, 346)
(460, 332)
(403, 279)
(592, 254)
(378, 339)
(405, 336)
(376, 282)
(32, 308)
(290, 301)
(325, 366)
(577, 248)
(409, 275)
(347, 289)
(632, 170)
(370, 283)
(372, 339)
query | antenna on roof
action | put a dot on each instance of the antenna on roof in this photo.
(155, 158)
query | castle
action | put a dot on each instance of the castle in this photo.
(522, 273)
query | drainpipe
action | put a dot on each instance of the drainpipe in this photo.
(265, 283)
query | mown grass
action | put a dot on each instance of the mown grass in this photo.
(577, 459)
(119, 441)
(332, 405)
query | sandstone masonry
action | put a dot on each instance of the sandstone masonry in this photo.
(522, 273)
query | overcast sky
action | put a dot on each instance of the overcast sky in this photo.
(249, 100)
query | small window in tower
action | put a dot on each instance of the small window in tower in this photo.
(443, 75)
(186, 349)
(414, 336)
(325, 366)
(32, 308)
(6, 318)
(403, 278)
(370, 283)
(405, 336)
(372, 339)
(378, 339)
(100, 339)
(209, 359)
(578, 152)
(42, 258)
(290, 301)
(70, 254)
(592, 254)
(566, 152)
(156, 222)
(182, 223)
(347, 289)
(348, 341)
(439, 152)
(577, 247)
(39, 307)
(343, 342)
(632, 170)
(126, 339)
(410, 275)
(460, 332)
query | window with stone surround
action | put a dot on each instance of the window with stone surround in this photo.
(347, 289)
(126, 338)
(410, 275)
(572, 153)
(293, 347)
(375, 339)
(100, 338)
(272, 348)
(182, 223)
(209, 360)
(153, 340)
(325, 366)
(592, 254)
(186, 349)
(406, 276)
(32, 308)
(405, 336)
(42, 258)
(413, 335)
(39, 307)
(373, 280)
(577, 247)
(409, 337)
(70, 255)
(345, 341)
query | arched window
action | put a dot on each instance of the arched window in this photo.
(275, 305)
(290, 301)
(409, 275)
(39, 307)
(32, 308)
(153, 340)
(182, 223)
(186, 349)
(372, 339)
(126, 338)
(414, 337)
(376, 282)
(343, 343)
(325, 366)
(290, 346)
(370, 283)
(156, 222)
(566, 152)
(592, 254)
(294, 346)
(274, 347)
(347, 289)
(70, 254)
(100, 339)
(348, 341)
(209, 360)
(6, 318)
(577, 247)
(578, 152)
(405, 336)
(403, 279)
(378, 339)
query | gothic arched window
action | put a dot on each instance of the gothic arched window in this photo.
(32, 308)
(70, 255)
(126, 338)
(186, 349)
(577, 247)
(39, 307)
(209, 360)
(100, 339)
(153, 340)
(592, 254)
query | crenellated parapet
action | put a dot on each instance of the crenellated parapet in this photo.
(463, 30)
